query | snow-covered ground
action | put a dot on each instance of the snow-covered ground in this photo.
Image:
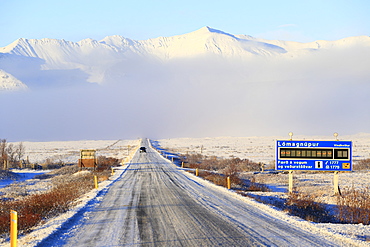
(66, 152)
(259, 149)
(20, 175)
(69, 151)
(262, 149)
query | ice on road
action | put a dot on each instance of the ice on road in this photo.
(154, 203)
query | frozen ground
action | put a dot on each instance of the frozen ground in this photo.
(259, 149)
(262, 149)
(66, 152)
(69, 151)
(19, 176)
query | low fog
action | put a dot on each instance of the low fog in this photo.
(317, 94)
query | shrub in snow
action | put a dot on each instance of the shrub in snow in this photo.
(354, 206)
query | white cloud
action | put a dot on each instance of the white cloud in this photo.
(287, 25)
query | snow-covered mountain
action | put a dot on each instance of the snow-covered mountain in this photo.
(10, 83)
(118, 57)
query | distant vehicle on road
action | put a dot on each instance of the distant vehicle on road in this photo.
(142, 149)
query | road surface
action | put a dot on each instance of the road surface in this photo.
(155, 203)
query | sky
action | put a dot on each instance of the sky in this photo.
(302, 21)
(319, 94)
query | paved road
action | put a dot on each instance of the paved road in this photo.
(156, 204)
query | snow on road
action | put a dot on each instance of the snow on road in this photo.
(153, 203)
(240, 212)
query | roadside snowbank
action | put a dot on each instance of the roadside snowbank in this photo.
(262, 149)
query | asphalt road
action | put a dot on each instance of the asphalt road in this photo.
(154, 203)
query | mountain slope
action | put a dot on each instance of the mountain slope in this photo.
(118, 55)
(10, 83)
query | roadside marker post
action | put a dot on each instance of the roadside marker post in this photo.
(96, 182)
(13, 228)
(197, 172)
(228, 183)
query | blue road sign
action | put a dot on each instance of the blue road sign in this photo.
(313, 155)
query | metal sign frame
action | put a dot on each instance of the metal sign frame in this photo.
(311, 155)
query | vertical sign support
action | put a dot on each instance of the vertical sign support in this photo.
(336, 183)
(290, 181)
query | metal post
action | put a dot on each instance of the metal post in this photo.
(290, 181)
(182, 164)
(336, 183)
(13, 228)
(197, 172)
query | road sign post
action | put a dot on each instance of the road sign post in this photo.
(290, 186)
(310, 155)
(336, 183)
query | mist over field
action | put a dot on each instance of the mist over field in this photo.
(316, 93)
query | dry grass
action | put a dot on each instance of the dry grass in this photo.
(33, 209)
(217, 170)
(306, 207)
(217, 164)
(363, 164)
(354, 206)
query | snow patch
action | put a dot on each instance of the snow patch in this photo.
(10, 83)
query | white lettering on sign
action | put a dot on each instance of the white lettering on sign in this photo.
(341, 145)
(297, 144)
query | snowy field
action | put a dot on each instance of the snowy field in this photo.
(69, 151)
(258, 149)
(262, 149)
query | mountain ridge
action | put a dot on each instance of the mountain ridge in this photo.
(96, 58)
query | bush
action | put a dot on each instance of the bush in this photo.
(106, 163)
(354, 206)
(215, 164)
(33, 209)
(215, 178)
(227, 168)
(304, 206)
(253, 186)
(362, 165)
